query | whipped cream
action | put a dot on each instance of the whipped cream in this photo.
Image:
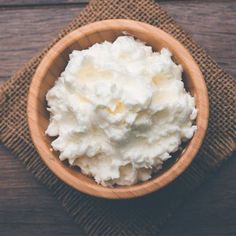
(119, 110)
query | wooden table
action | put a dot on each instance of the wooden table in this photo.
(27, 207)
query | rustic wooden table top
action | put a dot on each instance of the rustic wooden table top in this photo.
(27, 207)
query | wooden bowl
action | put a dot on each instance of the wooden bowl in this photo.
(55, 62)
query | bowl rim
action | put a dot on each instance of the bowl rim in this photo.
(126, 192)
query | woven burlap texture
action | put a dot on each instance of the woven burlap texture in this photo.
(143, 216)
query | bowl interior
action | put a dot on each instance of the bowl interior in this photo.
(54, 64)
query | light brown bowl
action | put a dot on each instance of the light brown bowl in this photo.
(54, 63)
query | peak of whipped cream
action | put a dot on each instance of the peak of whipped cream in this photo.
(119, 110)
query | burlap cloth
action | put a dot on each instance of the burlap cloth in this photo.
(142, 216)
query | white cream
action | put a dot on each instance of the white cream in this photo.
(119, 110)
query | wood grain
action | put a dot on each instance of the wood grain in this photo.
(23, 34)
(28, 3)
(211, 209)
(212, 25)
(26, 207)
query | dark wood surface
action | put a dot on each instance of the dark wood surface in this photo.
(27, 3)
(27, 207)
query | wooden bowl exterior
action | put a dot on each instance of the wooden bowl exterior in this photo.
(54, 63)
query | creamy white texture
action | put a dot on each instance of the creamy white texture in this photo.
(119, 110)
